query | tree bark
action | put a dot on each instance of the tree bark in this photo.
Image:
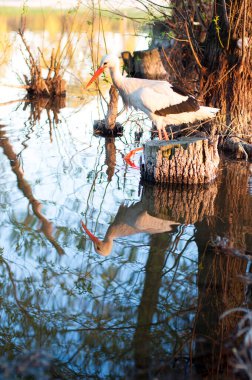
(110, 120)
(211, 58)
(109, 127)
(227, 81)
(188, 161)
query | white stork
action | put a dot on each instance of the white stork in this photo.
(162, 102)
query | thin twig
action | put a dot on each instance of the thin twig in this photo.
(27, 48)
(192, 48)
(227, 73)
(43, 58)
(169, 62)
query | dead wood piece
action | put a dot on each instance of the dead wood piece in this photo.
(110, 120)
(37, 86)
(101, 129)
(238, 148)
(48, 88)
(186, 161)
(109, 127)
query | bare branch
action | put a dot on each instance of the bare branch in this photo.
(192, 47)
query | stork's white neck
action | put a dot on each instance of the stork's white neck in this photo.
(116, 76)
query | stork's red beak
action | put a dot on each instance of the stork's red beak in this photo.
(96, 75)
(92, 237)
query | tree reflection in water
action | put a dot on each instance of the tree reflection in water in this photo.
(150, 309)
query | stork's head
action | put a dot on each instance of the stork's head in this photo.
(103, 248)
(108, 61)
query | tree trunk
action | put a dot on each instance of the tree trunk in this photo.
(227, 81)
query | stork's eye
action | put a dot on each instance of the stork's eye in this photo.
(105, 63)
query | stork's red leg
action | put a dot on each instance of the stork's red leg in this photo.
(166, 137)
(160, 134)
(128, 156)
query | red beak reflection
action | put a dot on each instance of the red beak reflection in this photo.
(92, 237)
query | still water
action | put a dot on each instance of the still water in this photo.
(148, 309)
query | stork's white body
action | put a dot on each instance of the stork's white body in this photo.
(151, 96)
(162, 102)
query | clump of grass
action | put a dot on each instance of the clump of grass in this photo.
(50, 86)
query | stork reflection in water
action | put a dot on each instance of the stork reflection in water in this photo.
(130, 220)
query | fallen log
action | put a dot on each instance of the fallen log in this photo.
(189, 160)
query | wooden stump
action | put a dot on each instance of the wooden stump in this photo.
(149, 64)
(111, 116)
(190, 160)
(109, 127)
